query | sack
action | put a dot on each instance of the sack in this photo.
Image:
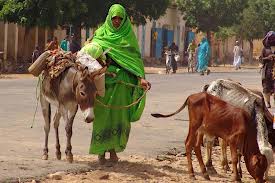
(93, 65)
(177, 57)
(40, 64)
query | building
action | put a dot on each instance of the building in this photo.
(18, 42)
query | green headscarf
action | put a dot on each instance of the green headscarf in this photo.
(122, 41)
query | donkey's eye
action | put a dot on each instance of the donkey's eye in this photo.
(82, 94)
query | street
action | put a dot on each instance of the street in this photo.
(21, 146)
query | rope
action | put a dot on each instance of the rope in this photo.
(37, 93)
(126, 106)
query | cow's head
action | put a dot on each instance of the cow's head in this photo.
(85, 92)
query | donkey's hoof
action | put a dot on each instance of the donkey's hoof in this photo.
(58, 155)
(192, 177)
(70, 158)
(206, 176)
(45, 157)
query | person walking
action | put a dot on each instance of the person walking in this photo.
(191, 55)
(203, 56)
(267, 59)
(65, 44)
(237, 51)
(52, 45)
(126, 84)
(174, 50)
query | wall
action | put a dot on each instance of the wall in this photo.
(171, 21)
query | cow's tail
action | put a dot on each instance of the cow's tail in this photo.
(158, 115)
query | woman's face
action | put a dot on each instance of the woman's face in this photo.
(116, 21)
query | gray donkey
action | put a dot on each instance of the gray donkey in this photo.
(72, 88)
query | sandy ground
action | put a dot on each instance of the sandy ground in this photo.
(169, 167)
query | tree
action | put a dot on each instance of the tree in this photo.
(223, 34)
(76, 13)
(209, 15)
(257, 20)
(52, 13)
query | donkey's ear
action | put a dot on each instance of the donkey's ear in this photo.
(98, 72)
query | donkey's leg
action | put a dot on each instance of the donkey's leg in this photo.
(68, 116)
(46, 110)
(56, 120)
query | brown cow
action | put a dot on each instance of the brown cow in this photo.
(211, 116)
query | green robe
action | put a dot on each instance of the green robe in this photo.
(111, 127)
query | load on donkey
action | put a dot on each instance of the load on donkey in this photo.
(69, 82)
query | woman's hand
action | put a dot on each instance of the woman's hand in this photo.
(145, 84)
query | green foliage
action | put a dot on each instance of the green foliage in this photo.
(51, 13)
(224, 33)
(258, 18)
(209, 15)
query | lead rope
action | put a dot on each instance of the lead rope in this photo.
(37, 93)
(126, 106)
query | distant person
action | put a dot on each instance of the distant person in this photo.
(191, 55)
(267, 59)
(53, 45)
(74, 45)
(65, 44)
(174, 50)
(196, 57)
(36, 53)
(47, 45)
(203, 56)
(237, 56)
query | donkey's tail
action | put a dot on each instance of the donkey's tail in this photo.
(158, 115)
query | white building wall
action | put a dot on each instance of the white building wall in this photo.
(170, 21)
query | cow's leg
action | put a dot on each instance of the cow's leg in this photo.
(209, 146)
(68, 116)
(234, 156)
(56, 120)
(197, 149)
(189, 144)
(239, 164)
(46, 111)
(224, 163)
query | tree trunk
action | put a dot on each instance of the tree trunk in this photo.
(208, 36)
(224, 52)
(250, 56)
(25, 48)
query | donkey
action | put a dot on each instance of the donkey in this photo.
(72, 88)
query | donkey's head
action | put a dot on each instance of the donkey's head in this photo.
(85, 92)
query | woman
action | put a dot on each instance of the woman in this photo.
(111, 127)
(267, 59)
(203, 56)
(191, 55)
(52, 45)
(237, 51)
